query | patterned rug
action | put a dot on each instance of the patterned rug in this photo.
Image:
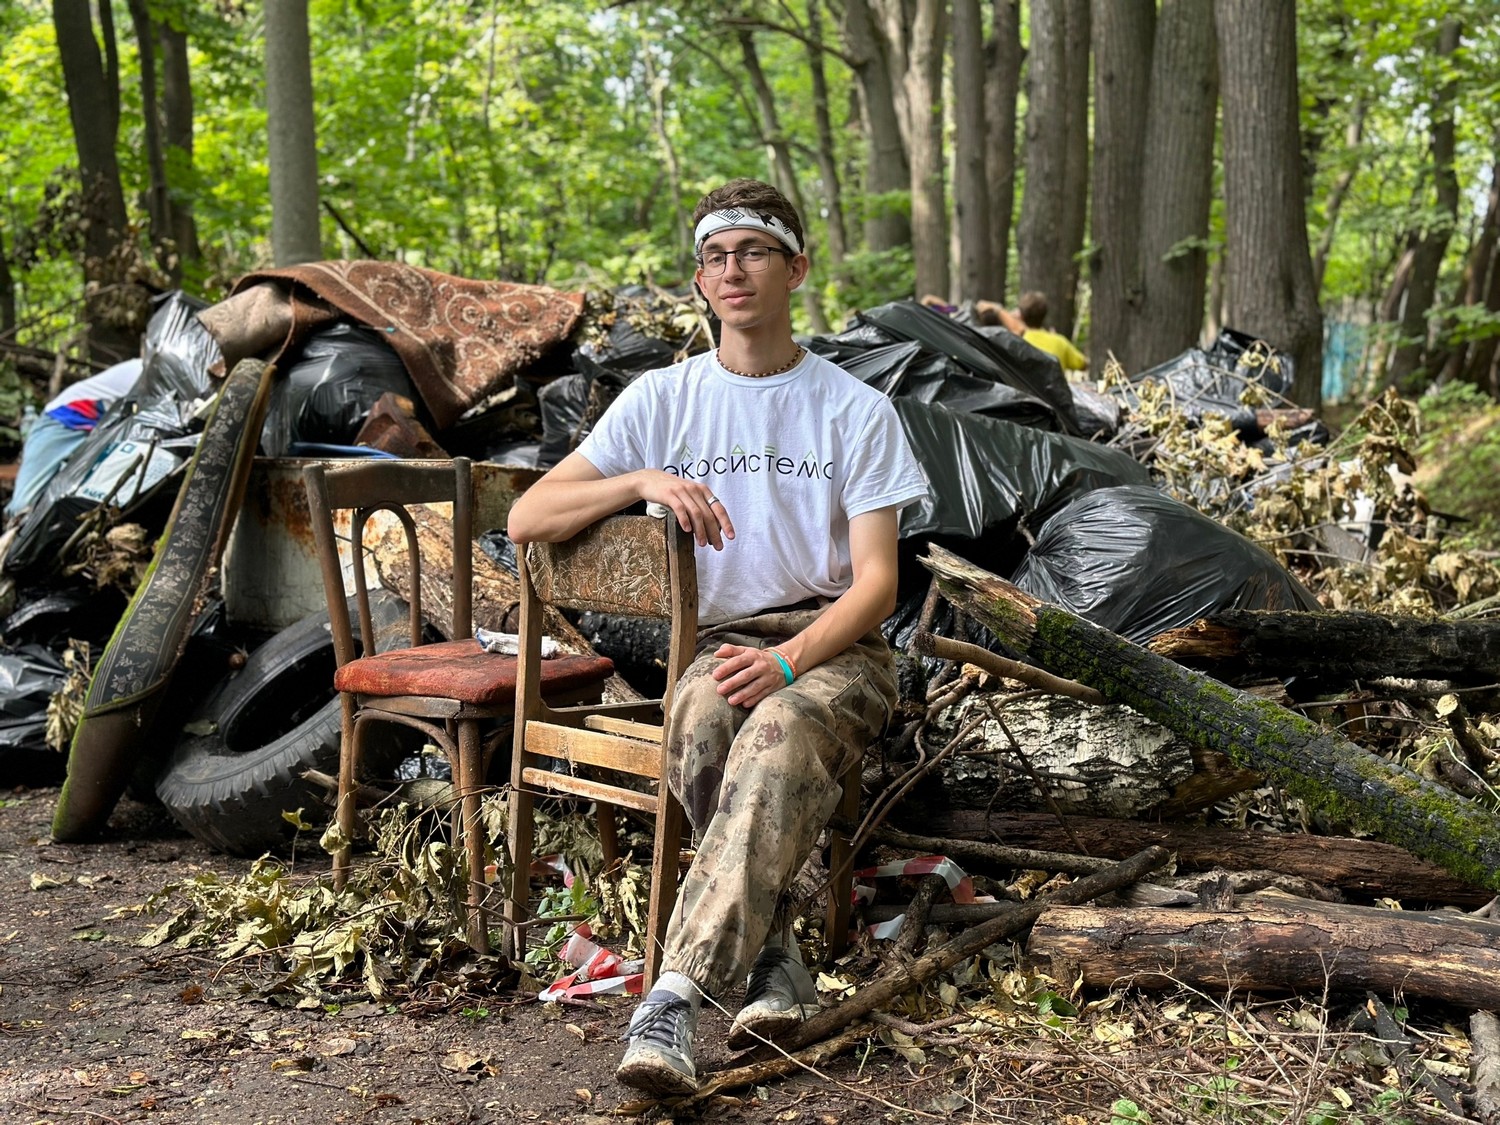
(461, 340)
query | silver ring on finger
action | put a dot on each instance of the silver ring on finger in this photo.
(712, 500)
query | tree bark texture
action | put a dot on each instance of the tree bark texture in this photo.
(1275, 943)
(1002, 83)
(971, 204)
(1123, 34)
(1411, 352)
(292, 135)
(177, 109)
(1330, 773)
(1269, 266)
(92, 84)
(1075, 182)
(1177, 174)
(828, 165)
(1039, 235)
(1336, 647)
(886, 168)
(158, 203)
(1361, 867)
(924, 96)
(1477, 271)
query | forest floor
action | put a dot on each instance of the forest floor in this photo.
(99, 1029)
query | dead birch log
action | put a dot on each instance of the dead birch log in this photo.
(1484, 1067)
(1274, 943)
(887, 988)
(1341, 647)
(1328, 772)
(1366, 867)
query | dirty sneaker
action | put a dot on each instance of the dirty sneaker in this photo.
(778, 997)
(659, 1059)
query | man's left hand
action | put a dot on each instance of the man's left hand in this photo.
(747, 675)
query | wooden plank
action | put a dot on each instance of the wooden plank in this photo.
(546, 782)
(646, 732)
(591, 748)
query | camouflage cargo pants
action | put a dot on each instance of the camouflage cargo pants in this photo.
(759, 785)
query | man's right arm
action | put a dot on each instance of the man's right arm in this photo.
(574, 494)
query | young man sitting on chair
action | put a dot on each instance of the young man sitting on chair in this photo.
(789, 473)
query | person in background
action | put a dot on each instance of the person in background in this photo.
(1033, 314)
(61, 428)
(789, 473)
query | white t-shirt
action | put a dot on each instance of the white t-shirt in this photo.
(793, 457)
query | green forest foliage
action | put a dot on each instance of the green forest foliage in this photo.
(531, 141)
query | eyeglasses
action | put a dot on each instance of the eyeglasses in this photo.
(752, 259)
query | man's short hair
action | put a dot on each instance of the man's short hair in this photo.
(753, 196)
(1033, 309)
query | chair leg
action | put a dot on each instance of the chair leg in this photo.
(522, 835)
(841, 866)
(470, 785)
(609, 833)
(348, 771)
(669, 823)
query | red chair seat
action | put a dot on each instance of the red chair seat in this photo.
(460, 670)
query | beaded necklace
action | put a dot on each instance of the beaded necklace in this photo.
(785, 367)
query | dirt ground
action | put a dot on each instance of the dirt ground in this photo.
(97, 1029)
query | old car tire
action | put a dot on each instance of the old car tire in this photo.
(240, 767)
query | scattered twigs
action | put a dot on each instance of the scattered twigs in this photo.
(884, 990)
(917, 914)
(930, 644)
(1030, 859)
(762, 1070)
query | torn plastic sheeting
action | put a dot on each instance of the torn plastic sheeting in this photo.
(325, 393)
(156, 412)
(1138, 562)
(986, 472)
(1002, 359)
(29, 676)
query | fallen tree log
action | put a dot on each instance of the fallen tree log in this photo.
(1274, 943)
(1326, 771)
(1366, 867)
(1340, 647)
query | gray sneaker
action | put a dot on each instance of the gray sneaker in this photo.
(778, 997)
(659, 1059)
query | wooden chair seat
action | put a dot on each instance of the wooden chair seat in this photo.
(460, 670)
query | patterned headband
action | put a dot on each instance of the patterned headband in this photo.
(732, 218)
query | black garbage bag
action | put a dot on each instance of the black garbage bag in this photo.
(1138, 562)
(999, 358)
(1213, 380)
(29, 676)
(986, 472)
(328, 389)
(140, 445)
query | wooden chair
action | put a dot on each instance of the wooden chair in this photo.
(634, 566)
(461, 697)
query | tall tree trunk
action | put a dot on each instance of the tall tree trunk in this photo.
(924, 96)
(1001, 85)
(1353, 134)
(1480, 262)
(828, 165)
(1075, 184)
(1411, 352)
(1039, 236)
(1177, 183)
(1269, 267)
(295, 228)
(113, 313)
(971, 203)
(177, 106)
(158, 203)
(1123, 33)
(886, 225)
(779, 155)
(7, 293)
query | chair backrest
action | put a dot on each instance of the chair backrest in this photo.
(634, 566)
(364, 488)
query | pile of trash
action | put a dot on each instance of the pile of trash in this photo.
(1048, 482)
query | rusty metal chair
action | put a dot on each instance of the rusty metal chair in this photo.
(460, 696)
(637, 566)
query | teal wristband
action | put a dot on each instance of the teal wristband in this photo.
(786, 669)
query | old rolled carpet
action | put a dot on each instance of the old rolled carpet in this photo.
(460, 339)
(132, 675)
